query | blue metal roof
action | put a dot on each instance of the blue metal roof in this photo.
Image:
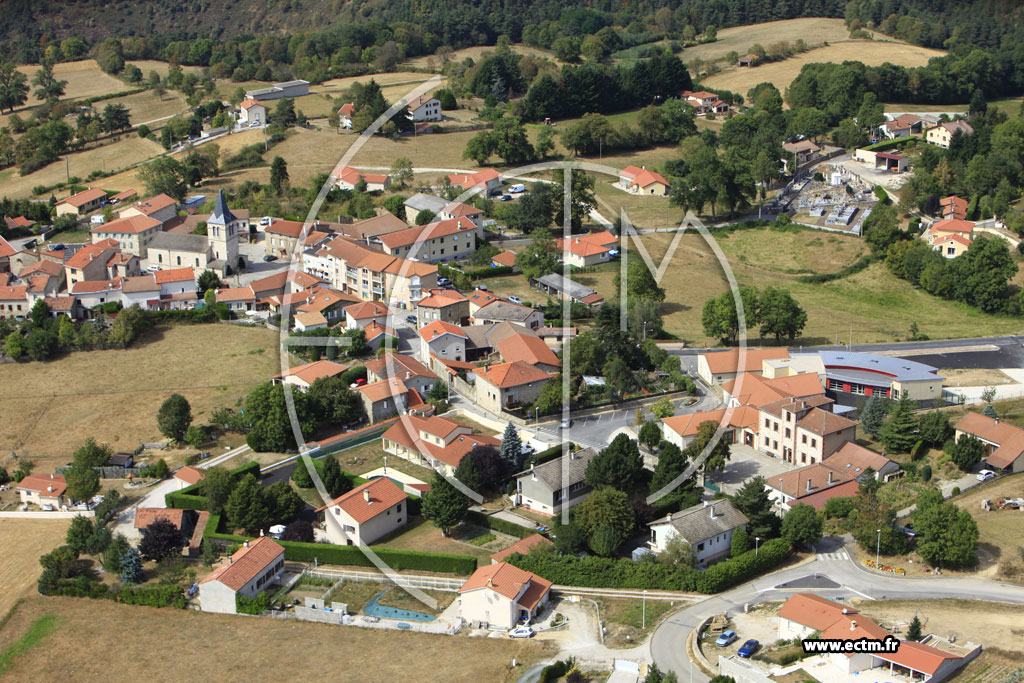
(884, 368)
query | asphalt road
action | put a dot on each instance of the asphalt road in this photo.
(667, 643)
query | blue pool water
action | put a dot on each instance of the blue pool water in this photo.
(375, 610)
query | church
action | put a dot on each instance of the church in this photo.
(216, 251)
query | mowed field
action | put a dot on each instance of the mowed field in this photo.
(813, 31)
(23, 541)
(279, 649)
(114, 395)
(879, 306)
(872, 53)
(475, 53)
(84, 78)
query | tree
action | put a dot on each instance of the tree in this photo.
(468, 474)
(567, 48)
(116, 117)
(444, 505)
(334, 481)
(640, 283)
(678, 552)
(278, 174)
(899, 432)
(485, 467)
(174, 417)
(131, 567)
(208, 280)
(935, 428)
(605, 507)
(650, 435)
(619, 465)
(753, 501)
(605, 541)
(914, 632)
(14, 345)
(79, 532)
(511, 448)
(164, 176)
(40, 313)
(989, 411)
(159, 540)
(13, 87)
(480, 147)
(92, 454)
(582, 199)
(873, 414)
(82, 481)
(569, 538)
(210, 552)
(540, 256)
(300, 530)
(717, 456)
(247, 506)
(719, 317)
(284, 503)
(401, 172)
(780, 315)
(967, 452)
(949, 535)
(284, 112)
(802, 525)
(270, 428)
(113, 554)
(40, 343)
(334, 403)
(217, 486)
(49, 87)
(300, 475)
(740, 542)
(663, 407)
(871, 521)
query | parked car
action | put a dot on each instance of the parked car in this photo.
(496, 192)
(411, 319)
(443, 281)
(358, 383)
(269, 257)
(515, 299)
(482, 288)
(505, 198)
(265, 220)
(748, 648)
(566, 423)
(57, 247)
(727, 638)
(516, 189)
(985, 475)
(521, 632)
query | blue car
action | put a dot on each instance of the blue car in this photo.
(727, 638)
(749, 648)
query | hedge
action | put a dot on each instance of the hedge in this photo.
(855, 267)
(550, 454)
(497, 524)
(150, 596)
(190, 497)
(888, 144)
(603, 572)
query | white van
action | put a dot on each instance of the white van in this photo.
(516, 189)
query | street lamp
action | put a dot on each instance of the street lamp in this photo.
(878, 548)
(757, 540)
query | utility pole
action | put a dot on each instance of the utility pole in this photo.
(878, 548)
(643, 611)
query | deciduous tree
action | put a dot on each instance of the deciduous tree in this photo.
(159, 540)
(174, 417)
(444, 505)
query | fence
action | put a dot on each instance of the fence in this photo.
(440, 583)
(108, 472)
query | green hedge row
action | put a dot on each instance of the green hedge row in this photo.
(192, 498)
(150, 596)
(603, 572)
(855, 267)
(496, 524)
(888, 144)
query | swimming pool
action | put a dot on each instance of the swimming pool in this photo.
(374, 609)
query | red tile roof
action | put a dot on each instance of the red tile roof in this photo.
(366, 309)
(251, 560)
(728, 361)
(249, 104)
(528, 349)
(130, 225)
(436, 230)
(689, 424)
(813, 611)
(795, 482)
(438, 328)
(955, 205)
(512, 374)
(1009, 440)
(13, 293)
(286, 228)
(150, 206)
(384, 389)
(175, 275)
(347, 174)
(505, 258)
(146, 516)
(953, 225)
(918, 656)
(643, 177)
(233, 294)
(46, 267)
(439, 298)
(311, 372)
(86, 254)
(523, 546)
(468, 180)
(96, 286)
(43, 482)
(84, 197)
(368, 500)
(6, 249)
(190, 475)
(398, 365)
(509, 581)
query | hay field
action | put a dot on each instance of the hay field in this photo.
(475, 53)
(782, 73)
(880, 306)
(812, 30)
(162, 68)
(291, 650)
(25, 540)
(85, 79)
(146, 107)
(129, 149)
(114, 395)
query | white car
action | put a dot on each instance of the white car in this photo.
(565, 424)
(515, 299)
(521, 632)
(985, 475)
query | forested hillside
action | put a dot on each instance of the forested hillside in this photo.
(985, 23)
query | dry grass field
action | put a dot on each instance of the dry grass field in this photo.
(996, 624)
(813, 31)
(281, 649)
(130, 149)
(85, 79)
(146, 107)
(879, 306)
(24, 540)
(1001, 550)
(114, 394)
(782, 73)
(475, 53)
(147, 65)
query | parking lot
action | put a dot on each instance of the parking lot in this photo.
(744, 464)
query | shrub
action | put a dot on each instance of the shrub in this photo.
(925, 473)
(257, 605)
(151, 596)
(839, 507)
(489, 522)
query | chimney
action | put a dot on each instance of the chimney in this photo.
(705, 503)
(853, 624)
(246, 544)
(490, 582)
(408, 374)
(809, 488)
(572, 455)
(668, 517)
(845, 611)
(366, 495)
(50, 488)
(830, 477)
(711, 509)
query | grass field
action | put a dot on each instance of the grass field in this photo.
(421, 535)
(475, 53)
(114, 394)
(813, 31)
(879, 306)
(111, 156)
(296, 650)
(625, 619)
(740, 80)
(162, 68)
(85, 79)
(25, 540)
(146, 107)
(995, 624)
(1001, 549)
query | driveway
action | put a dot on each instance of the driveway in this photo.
(744, 464)
(124, 522)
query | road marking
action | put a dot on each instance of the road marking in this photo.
(863, 595)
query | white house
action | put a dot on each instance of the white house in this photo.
(425, 108)
(707, 527)
(43, 489)
(502, 595)
(254, 567)
(251, 113)
(444, 340)
(303, 376)
(366, 513)
(188, 475)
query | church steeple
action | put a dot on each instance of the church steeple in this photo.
(221, 213)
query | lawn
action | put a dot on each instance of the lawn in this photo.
(878, 306)
(114, 394)
(356, 594)
(872, 53)
(624, 619)
(1001, 548)
(299, 650)
(146, 107)
(995, 624)
(162, 68)
(84, 79)
(24, 540)
(370, 456)
(423, 536)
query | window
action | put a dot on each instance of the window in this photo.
(767, 423)
(803, 438)
(789, 417)
(700, 546)
(814, 443)
(835, 385)
(399, 509)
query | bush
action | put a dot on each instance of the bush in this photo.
(852, 269)
(925, 473)
(257, 605)
(839, 508)
(489, 522)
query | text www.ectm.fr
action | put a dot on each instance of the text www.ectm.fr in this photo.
(889, 644)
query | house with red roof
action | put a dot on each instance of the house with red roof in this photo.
(91, 262)
(303, 376)
(424, 108)
(6, 252)
(345, 115)
(161, 208)
(509, 385)
(434, 442)
(506, 259)
(237, 298)
(414, 374)
(81, 203)
(812, 485)
(1004, 443)
(14, 301)
(443, 240)
(741, 425)
(390, 397)
(188, 475)
(132, 233)
(346, 178)
(524, 546)
(502, 595)
(359, 315)
(251, 113)
(479, 298)
(719, 367)
(43, 490)
(486, 179)
(705, 102)
(942, 134)
(365, 514)
(589, 249)
(446, 305)
(642, 181)
(802, 431)
(442, 340)
(252, 569)
(953, 207)
(529, 349)
(951, 237)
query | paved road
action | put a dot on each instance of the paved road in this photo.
(832, 567)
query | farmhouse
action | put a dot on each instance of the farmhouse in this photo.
(345, 115)
(802, 431)
(303, 376)
(434, 442)
(505, 311)
(252, 569)
(251, 113)
(747, 60)
(424, 108)
(366, 513)
(556, 485)
(855, 460)
(81, 203)
(588, 250)
(705, 102)
(502, 595)
(801, 151)
(509, 385)
(641, 181)
(43, 490)
(708, 528)
(902, 126)
(346, 178)
(942, 134)
(1004, 442)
